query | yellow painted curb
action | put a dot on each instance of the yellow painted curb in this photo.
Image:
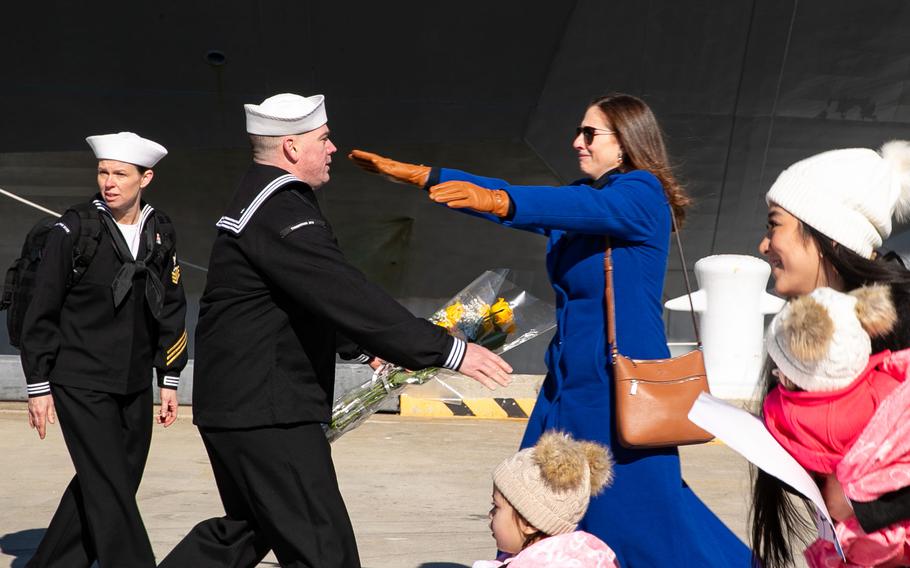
(486, 408)
(410, 406)
(496, 408)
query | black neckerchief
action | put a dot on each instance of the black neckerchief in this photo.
(123, 281)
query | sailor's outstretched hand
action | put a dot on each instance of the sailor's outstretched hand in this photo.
(485, 367)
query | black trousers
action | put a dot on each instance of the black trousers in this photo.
(108, 438)
(280, 493)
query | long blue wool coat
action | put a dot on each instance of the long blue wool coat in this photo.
(649, 516)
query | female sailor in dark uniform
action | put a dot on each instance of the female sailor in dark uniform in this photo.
(89, 347)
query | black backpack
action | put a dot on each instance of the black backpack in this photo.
(19, 287)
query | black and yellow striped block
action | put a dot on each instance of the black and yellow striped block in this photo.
(469, 407)
(490, 408)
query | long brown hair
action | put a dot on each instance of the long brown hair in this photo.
(780, 516)
(642, 144)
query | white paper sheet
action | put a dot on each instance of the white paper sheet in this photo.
(746, 434)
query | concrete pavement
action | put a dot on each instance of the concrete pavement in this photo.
(418, 490)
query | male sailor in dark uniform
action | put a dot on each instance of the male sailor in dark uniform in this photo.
(89, 347)
(278, 291)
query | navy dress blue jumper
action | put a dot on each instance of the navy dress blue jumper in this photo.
(649, 516)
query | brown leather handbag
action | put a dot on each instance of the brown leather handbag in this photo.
(653, 396)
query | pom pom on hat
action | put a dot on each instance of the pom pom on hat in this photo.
(875, 309)
(285, 114)
(127, 147)
(551, 483)
(600, 463)
(808, 329)
(897, 154)
(849, 195)
(821, 341)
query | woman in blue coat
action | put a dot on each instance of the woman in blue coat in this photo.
(649, 516)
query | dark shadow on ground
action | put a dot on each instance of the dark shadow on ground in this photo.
(21, 544)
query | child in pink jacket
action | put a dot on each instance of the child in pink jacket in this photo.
(844, 413)
(539, 495)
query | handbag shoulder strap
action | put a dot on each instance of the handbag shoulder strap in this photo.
(608, 299)
(608, 290)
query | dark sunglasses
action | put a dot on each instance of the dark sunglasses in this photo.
(590, 132)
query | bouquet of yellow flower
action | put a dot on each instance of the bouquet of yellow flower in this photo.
(490, 311)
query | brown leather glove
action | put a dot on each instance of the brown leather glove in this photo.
(463, 194)
(399, 172)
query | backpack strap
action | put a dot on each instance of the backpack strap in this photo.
(164, 230)
(86, 241)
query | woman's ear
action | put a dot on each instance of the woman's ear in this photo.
(146, 179)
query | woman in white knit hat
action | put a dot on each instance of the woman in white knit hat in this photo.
(827, 215)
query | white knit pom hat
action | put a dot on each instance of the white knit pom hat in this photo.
(821, 341)
(848, 195)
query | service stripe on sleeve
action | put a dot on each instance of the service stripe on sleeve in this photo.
(176, 349)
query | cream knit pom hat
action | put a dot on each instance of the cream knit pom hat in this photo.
(551, 484)
(849, 195)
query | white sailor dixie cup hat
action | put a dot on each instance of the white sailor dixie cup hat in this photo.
(285, 114)
(127, 147)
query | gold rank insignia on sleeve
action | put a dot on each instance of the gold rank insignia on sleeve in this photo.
(175, 275)
(176, 349)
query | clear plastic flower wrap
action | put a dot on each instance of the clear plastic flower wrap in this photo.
(491, 311)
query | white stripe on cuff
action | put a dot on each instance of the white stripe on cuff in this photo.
(456, 355)
(171, 381)
(39, 388)
(364, 358)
